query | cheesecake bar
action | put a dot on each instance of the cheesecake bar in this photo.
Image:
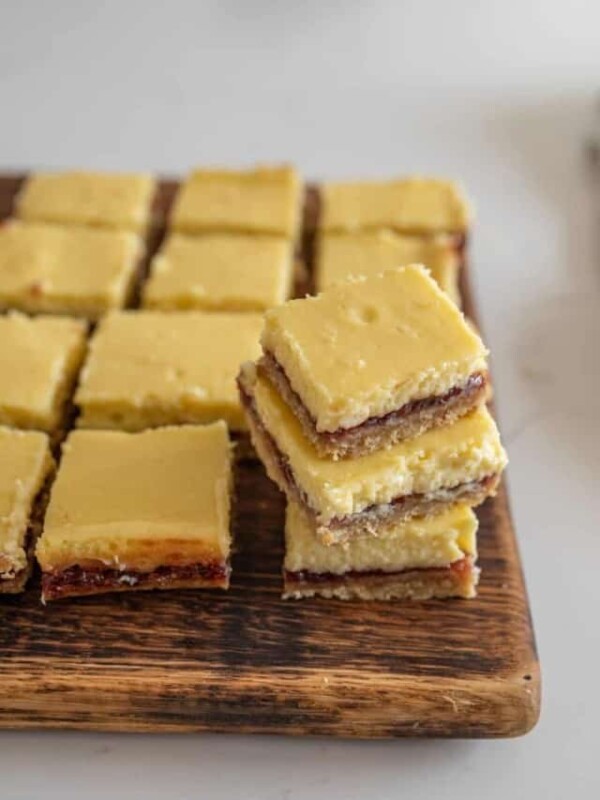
(105, 200)
(151, 368)
(263, 200)
(25, 467)
(422, 206)
(66, 270)
(419, 559)
(40, 359)
(373, 361)
(342, 256)
(145, 510)
(365, 495)
(220, 272)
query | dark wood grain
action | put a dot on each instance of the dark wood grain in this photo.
(246, 661)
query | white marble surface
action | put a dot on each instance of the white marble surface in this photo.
(499, 94)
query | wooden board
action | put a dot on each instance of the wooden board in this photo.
(246, 661)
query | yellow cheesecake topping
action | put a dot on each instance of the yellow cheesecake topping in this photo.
(152, 368)
(264, 200)
(140, 500)
(70, 270)
(343, 256)
(220, 272)
(39, 361)
(106, 200)
(25, 462)
(409, 205)
(434, 541)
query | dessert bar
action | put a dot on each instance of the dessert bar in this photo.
(25, 467)
(419, 559)
(66, 270)
(151, 368)
(263, 200)
(364, 495)
(220, 272)
(342, 256)
(423, 206)
(106, 200)
(40, 359)
(373, 361)
(143, 510)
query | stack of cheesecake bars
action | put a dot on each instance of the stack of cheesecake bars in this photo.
(367, 408)
(127, 320)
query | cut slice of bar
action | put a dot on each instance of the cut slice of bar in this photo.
(374, 361)
(263, 200)
(408, 205)
(220, 272)
(25, 467)
(423, 558)
(143, 510)
(66, 270)
(39, 361)
(367, 495)
(106, 200)
(342, 256)
(151, 368)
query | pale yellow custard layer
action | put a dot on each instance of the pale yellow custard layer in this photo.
(220, 272)
(140, 500)
(263, 200)
(69, 270)
(25, 462)
(39, 361)
(342, 256)
(409, 205)
(105, 200)
(152, 368)
(468, 450)
(435, 541)
(367, 347)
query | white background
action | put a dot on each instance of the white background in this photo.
(499, 94)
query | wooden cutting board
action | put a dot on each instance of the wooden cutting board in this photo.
(245, 661)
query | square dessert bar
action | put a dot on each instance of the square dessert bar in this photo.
(106, 200)
(461, 461)
(143, 510)
(264, 200)
(40, 359)
(342, 256)
(419, 559)
(25, 466)
(56, 269)
(151, 368)
(421, 206)
(373, 361)
(221, 272)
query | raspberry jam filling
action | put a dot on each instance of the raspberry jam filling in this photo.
(57, 584)
(460, 569)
